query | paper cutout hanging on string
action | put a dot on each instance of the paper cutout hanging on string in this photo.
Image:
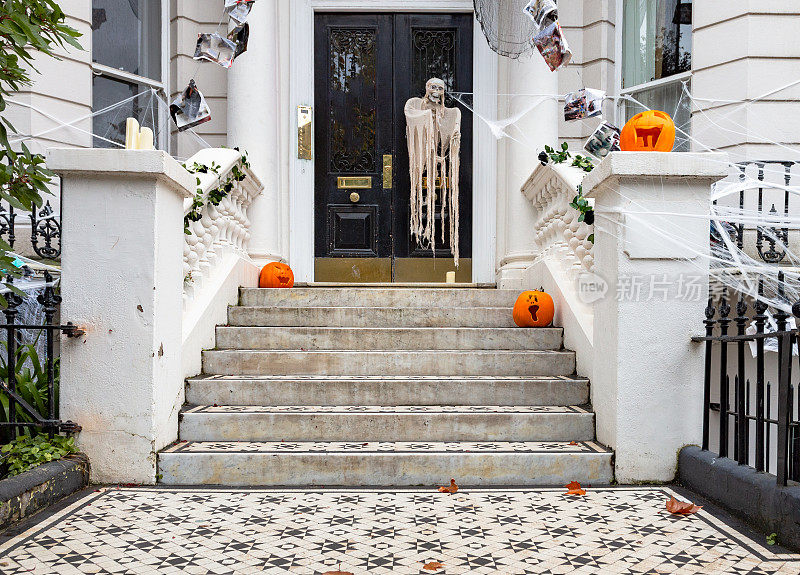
(552, 44)
(239, 37)
(238, 10)
(585, 103)
(507, 32)
(190, 109)
(603, 141)
(215, 48)
(542, 12)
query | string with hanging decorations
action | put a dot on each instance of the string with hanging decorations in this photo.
(190, 109)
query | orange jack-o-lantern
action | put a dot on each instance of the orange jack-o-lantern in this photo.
(276, 275)
(534, 309)
(650, 131)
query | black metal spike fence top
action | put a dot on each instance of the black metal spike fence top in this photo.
(45, 229)
(21, 414)
(760, 425)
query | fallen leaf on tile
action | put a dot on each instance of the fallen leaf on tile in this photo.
(452, 488)
(433, 566)
(573, 443)
(574, 488)
(682, 507)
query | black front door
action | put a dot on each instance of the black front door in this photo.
(366, 67)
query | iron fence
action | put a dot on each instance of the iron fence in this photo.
(32, 401)
(758, 423)
(45, 229)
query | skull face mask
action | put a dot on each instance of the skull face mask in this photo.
(434, 91)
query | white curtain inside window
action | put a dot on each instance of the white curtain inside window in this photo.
(656, 40)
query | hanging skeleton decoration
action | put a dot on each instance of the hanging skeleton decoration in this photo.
(434, 143)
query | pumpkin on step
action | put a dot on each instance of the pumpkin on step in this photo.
(276, 275)
(650, 131)
(534, 309)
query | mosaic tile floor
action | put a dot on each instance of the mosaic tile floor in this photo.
(385, 409)
(506, 531)
(385, 446)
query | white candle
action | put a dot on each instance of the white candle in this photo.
(451, 277)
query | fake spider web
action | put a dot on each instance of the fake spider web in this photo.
(509, 32)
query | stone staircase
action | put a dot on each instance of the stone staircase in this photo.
(384, 386)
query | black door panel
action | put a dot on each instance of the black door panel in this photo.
(366, 67)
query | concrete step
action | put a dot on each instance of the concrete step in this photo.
(371, 316)
(377, 297)
(423, 338)
(385, 390)
(386, 423)
(427, 362)
(384, 464)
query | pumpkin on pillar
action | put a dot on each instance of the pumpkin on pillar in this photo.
(650, 131)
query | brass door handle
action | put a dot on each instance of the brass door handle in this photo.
(354, 197)
(387, 172)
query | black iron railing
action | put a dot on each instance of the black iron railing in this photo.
(754, 426)
(20, 412)
(45, 229)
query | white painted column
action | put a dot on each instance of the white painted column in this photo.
(122, 282)
(651, 249)
(254, 126)
(516, 216)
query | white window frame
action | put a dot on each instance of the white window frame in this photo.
(620, 107)
(160, 86)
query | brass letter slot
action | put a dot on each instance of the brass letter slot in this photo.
(387, 172)
(304, 132)
(438, 182)
(356, 182)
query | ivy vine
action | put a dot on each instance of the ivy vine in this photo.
(561, 155)
(215, 195)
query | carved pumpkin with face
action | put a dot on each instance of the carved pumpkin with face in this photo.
(650, 131)
(276, 275)
(533, 309)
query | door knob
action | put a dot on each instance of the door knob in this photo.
(354, 197)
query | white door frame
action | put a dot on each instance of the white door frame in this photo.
(301, 93)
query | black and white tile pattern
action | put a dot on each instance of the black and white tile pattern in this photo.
(385, 447)
(400, 409)
(504, 531)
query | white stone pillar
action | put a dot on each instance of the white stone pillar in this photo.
(539, 126)
(122, 282)
(254, 126)
(651, 248)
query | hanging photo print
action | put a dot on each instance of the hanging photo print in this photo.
(239, 37)
(542, 12)
(603, 141)
(215, 48)
(238, 10)
(585, 103)
(553, 46)
(190, 109)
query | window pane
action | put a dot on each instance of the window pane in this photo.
(111, 124)
(126, 34)
(671, 99)
(656, 40)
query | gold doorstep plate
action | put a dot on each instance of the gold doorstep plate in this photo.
(354, 182)
(379, 270)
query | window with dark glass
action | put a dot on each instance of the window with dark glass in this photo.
(126, 56)
(657, 61)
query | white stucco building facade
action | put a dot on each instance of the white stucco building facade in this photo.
(254, 103)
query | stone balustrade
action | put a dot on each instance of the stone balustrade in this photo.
(224, 228)
(558, 232)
